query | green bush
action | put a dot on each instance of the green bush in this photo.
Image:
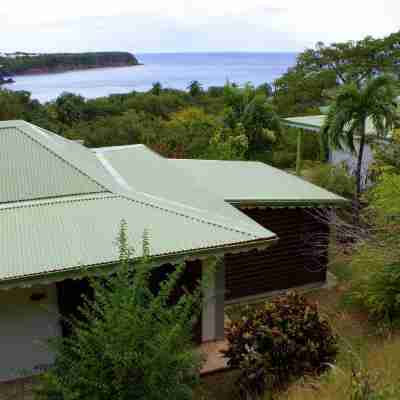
(285, 338)
(283, 159)
(379, 291)
(333, 178)
(364, 385)
(131, 343)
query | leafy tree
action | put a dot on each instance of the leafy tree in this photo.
(228, 145)
(255, 113)
(353, 107)
(70, 108)
(158, 106)
(354, 61)
(195, 88)
(265, 89)
(130, 128)
(190, 130)
(299, 93)
(19, 105)
(102, 107)
(130, 343)
(156, 88)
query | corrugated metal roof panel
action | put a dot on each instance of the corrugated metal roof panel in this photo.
(48, 236)
(146, 173)
(311, 122)
(316, 122)
(253, 182)
(30, 170)
(62, 205)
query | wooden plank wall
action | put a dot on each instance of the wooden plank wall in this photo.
(299, 258)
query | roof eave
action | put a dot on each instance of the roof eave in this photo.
(79, 272)
(250, 203)
(299, 125)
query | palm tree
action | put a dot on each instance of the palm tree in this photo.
(347, 119)
(255, 113)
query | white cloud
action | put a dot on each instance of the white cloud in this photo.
(186, 25)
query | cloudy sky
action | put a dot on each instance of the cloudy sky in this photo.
(187, 25)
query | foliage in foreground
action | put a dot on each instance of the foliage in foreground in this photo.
(284, 339)
(131, 343)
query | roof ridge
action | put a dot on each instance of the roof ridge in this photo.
(195, 218)
(20, 127)
(167, 205)
(122, 192)
(57, 200)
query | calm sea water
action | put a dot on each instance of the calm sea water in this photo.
(175, 70)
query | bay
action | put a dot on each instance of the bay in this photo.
(174, 70)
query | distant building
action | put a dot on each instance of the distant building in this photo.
(314, 123)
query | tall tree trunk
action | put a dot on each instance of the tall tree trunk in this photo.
(357, 197)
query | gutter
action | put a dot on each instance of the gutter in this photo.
(249, 203)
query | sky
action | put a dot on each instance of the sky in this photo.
(146, 26)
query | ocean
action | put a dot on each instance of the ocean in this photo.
(173, 70)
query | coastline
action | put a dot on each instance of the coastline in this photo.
(52, 71)
(25, 64)
(7, 81)
(171, 70)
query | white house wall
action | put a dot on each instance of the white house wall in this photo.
(337, 157)
(25, 327)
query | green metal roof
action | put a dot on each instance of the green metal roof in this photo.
(316, 122)
(31, 170)
(44, 236)
(243, 182)
(145, 172)
(62, 205)
(311, 122)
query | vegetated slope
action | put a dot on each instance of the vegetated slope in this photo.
(23, 64)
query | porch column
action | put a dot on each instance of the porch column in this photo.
(213, 315)
(299, 151)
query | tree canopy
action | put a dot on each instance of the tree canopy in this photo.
(354, 61)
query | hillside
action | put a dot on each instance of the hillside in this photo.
(24, 64)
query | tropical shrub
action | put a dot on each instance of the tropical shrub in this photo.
(131, 343)
(375, 283)
(285, 338)
(228, 145)
(381, 293)
(283, 159)
(364, 386)
(333, 178)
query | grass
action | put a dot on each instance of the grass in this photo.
(378, 367)
(372, 353)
